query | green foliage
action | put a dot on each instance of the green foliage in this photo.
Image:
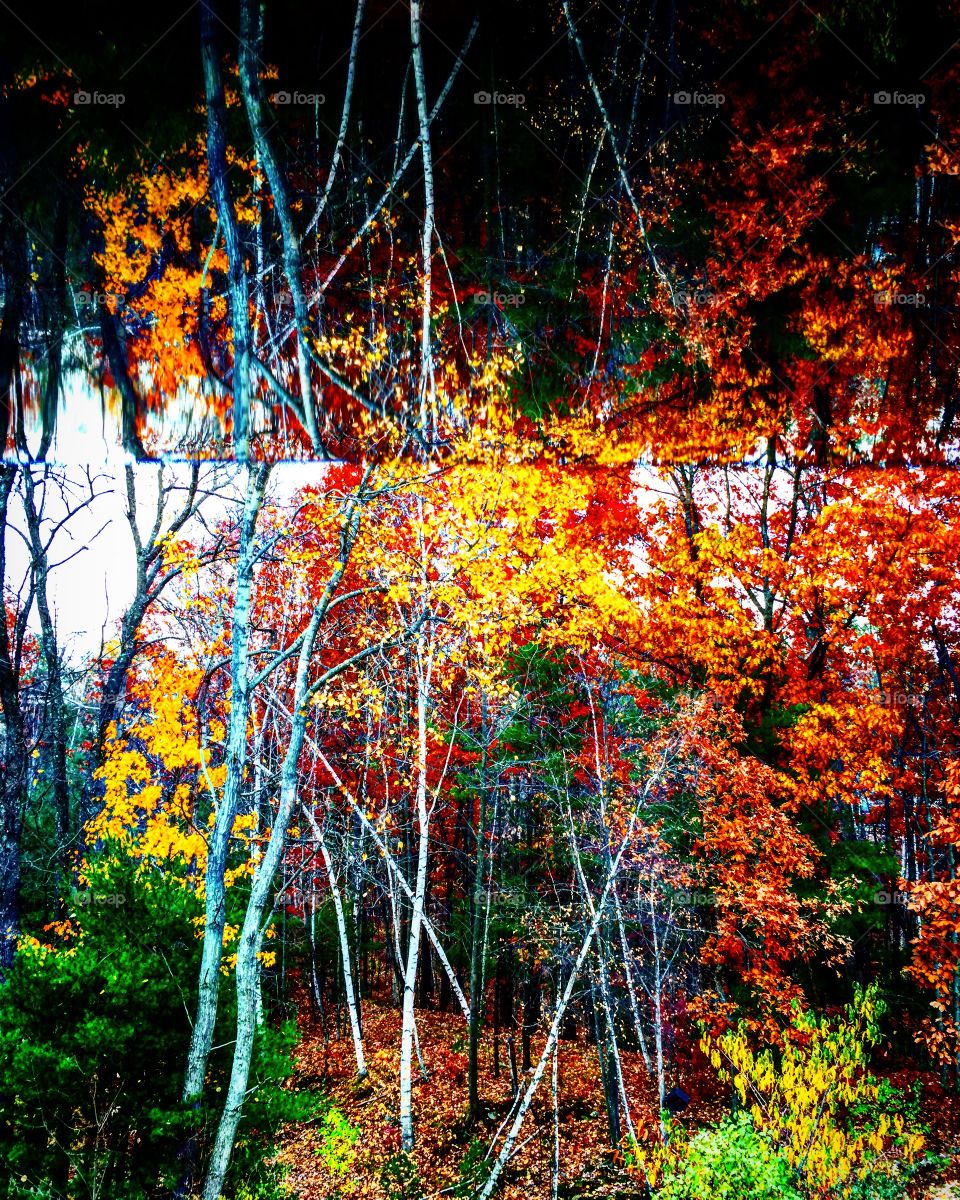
(885, 1099)
(813, 1096)
(732, 1161)
(400, 1179)
(94, 1031)
(764, 730)
(93, 1036)
(859, 867)
(338, 1138)
(472, 1170)
(884, 1181)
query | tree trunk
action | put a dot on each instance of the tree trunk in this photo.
(215, 899)
(631, 986)
(249, 64)
(237, 290)
(56, 303)
(424, 667)
(252, 930)
(262, 886)
(353, 1004)
(657, 1001)
(13, 785)
(426, 152)
(55, 718)
(563, 1001)
(476, 939)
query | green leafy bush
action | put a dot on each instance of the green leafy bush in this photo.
(338, 1138)
(94, 1030)
(93, 1034)
(400, 1179)
(729, 1162)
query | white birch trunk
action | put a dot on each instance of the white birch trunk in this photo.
(426, 153)
(252, 930)
(424, 665)
(353, 1004)
(214, 891)
(398, 877)
(597, 911)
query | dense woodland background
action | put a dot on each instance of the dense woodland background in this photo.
(516, 750)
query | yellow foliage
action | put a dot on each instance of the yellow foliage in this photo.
(801, 1098)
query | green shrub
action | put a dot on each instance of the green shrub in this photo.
(338, 1138)
(400, 1179)
(93, 1036)
(94, 1031)
(729, 1162)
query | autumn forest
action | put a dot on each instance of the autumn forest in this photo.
(480, 550)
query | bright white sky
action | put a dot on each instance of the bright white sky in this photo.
(90, 590)
(92, 587)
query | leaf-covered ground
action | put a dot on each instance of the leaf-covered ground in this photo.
(443, 1136)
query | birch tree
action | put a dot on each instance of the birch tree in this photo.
(262, 887)
(597, 910)
(235, 756)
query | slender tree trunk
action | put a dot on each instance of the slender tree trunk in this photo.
(262, 887)
(532, 1003)
(611, 1097)
(398, 877)
(252, 929)
(235, 756)
(555, 1098)
(116, 356)
(426, 151)
(424, 657)
(562, 1002)
(476, 940)
(631, 984)
(657, 1000)
(13, 784)
(56, 316)
(353, 1004)
(14, 265)
(512, 1063)
(249, 63)
(11, 821)
(614, 1061)
(55, 722)
(218, 170)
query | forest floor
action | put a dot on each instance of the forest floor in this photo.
(443, 1136)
